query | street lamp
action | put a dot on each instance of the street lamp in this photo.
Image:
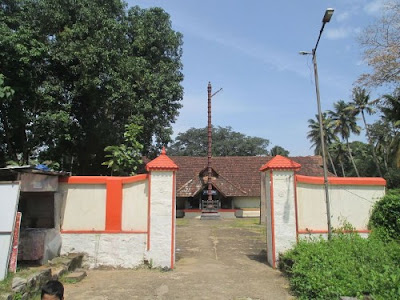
(327, 17)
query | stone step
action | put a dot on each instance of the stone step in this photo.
(76, 276)
(72, 261)
(210, 216)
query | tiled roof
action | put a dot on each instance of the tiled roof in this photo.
(281, 163)
(237, 175)
(162, 162)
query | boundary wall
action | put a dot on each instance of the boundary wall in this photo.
(295, 205)
(121, 221)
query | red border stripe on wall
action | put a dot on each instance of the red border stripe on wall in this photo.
(342, 180)
(149, 214)
(173, 221)
(114, 204)
(272, 219)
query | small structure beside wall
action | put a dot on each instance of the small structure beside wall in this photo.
(31, 192)
(296, 207)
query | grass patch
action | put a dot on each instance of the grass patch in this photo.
(181, 222)
(5, 285)
(251, 224)
(23, 272)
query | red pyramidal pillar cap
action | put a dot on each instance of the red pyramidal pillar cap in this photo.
(281, 163)
(162, 163)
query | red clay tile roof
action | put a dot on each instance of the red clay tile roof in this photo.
(163, 162)
(237, 175)
(281, 163)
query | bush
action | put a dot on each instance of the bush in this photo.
(348, 265)
(385, 216)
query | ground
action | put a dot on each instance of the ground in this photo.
(215, 259)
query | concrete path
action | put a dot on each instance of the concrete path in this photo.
(223, 259)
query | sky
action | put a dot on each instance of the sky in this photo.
(250, 49)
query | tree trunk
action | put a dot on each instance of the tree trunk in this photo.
(372, 146)
(11, 152)
(342, 167)
(351, 158)
(330, 159)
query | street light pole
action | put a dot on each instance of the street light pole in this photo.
(326, 19)
(322, 136)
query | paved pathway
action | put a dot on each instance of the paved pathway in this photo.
(223, 259)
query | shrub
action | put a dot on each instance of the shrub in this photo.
(347, 265)
(385, 216)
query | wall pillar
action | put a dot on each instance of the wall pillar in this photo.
(280, 203)
(162, 211)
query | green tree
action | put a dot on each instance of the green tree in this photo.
(225, 142)
(344, 123)
(364, 159)
(339, 154)
(278, 150)
(124, 159)
(359, 105)
(389, 128)
(386, 138)
(315, 137)
(83, 70)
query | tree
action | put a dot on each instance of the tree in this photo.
(278, 150)
(381, 44)
(339, 153)
(360, 104)
(124, 159)
(82, 71)
(315, 137)
(226, 142)
(387, 130)
(345, 123)
(386, 137)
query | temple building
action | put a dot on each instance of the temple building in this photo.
(236, 182)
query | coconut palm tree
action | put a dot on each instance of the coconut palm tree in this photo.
(314, 136)
(386, 137)
(359, 105)
(391, 111)
(344, 123)
(339, 152)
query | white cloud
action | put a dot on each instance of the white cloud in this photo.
(342, 16)
(341, 32)
(373, 7)
(338, 33)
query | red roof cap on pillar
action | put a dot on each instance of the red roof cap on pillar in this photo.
(162, 163)
(281, 163)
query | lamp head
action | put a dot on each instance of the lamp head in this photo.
(328, 15)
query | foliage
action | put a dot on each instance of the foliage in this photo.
(360, 104)
(386, 214)
(278, 150)
(125, 158)
(348, 265)
(381, 44)
(392, 177)
(225, 142)
(314, 136)
(314, 133)
(81, 71)
(344, 123)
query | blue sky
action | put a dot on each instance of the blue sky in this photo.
(250, 49)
